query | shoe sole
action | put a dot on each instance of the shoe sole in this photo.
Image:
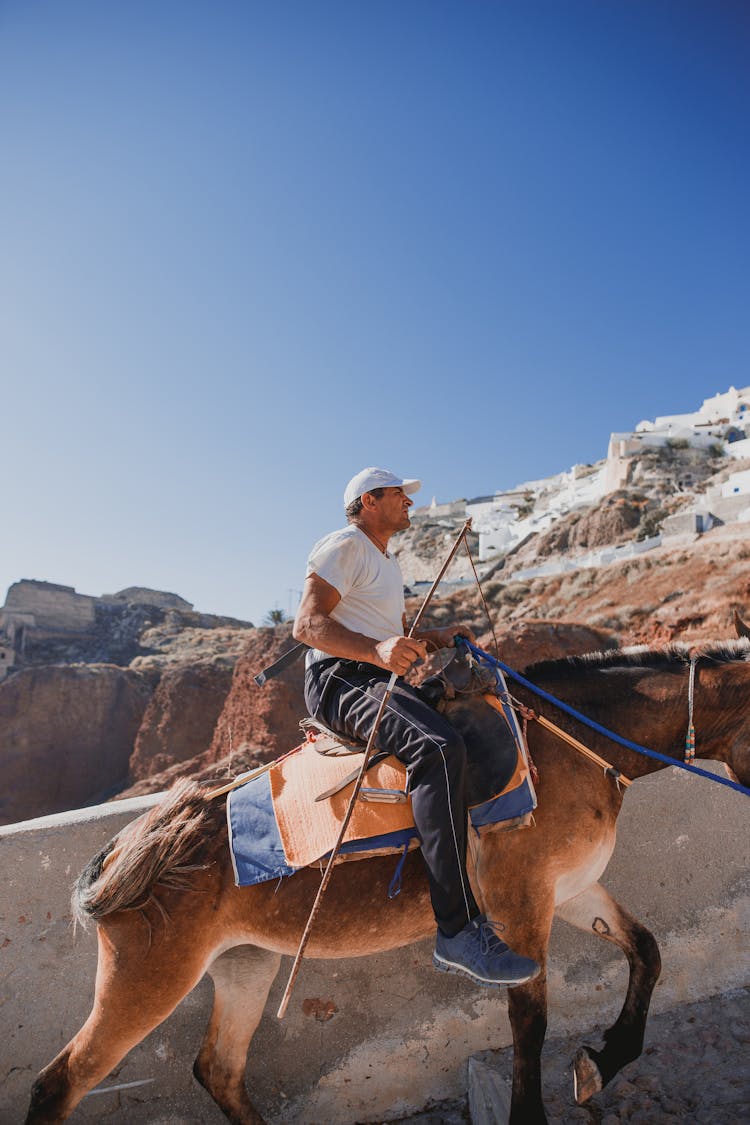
(461, 970)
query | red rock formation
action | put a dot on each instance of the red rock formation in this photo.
(66, 735)
(529, 641)
(255, 725)
(684, 591)
(180, 718)
(264, 721)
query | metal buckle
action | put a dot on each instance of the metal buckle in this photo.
(384, 796)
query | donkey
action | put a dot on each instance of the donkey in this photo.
(155, 866)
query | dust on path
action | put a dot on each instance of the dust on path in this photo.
(695, 1068)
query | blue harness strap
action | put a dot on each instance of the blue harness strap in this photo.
(484, 658)
(394, 887)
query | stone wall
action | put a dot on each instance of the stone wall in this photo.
(45, 623)
(401, 1033)
(728, 508)
(683, 523)
(55, 608)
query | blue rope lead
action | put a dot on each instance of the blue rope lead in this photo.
(491, 661)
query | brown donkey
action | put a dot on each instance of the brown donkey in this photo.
(155, 866)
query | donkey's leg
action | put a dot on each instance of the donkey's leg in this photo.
(595, 910)
(137, 986)
(528, 913)
(242, 979)
(527, 1008)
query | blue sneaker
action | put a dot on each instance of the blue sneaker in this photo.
(478, 953)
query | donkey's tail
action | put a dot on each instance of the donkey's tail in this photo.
(157, 848)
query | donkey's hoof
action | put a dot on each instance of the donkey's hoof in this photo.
(587, 1079)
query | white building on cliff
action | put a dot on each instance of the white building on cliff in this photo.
(505, 519)
(723, 419)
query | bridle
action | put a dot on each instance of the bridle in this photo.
(690, 736)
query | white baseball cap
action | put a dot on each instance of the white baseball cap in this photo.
(368, 479)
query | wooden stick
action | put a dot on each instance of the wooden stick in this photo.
(241, 780)
(581, 748)
(357, 786)
(245, 777)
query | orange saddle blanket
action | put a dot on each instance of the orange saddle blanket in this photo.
(309, 828)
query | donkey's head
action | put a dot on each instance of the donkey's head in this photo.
(727, 669)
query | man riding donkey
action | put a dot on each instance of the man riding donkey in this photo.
(352, 617)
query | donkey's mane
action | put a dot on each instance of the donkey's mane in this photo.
(641, 656)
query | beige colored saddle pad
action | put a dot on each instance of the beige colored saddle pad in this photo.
(308, 830)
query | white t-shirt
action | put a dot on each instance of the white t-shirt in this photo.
(370, 584)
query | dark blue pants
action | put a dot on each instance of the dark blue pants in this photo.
(346, 696)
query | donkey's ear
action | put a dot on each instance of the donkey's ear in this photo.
(743, 630)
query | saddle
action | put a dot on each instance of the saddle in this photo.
(290, 816)
(332, 745)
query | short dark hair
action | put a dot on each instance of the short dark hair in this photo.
(356, 506)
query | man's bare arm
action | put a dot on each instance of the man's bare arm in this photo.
(314, 626)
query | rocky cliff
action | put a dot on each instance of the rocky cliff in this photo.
(67, 736)
(681, 591)
(180, 718)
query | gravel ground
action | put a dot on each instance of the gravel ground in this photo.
(695, 1068)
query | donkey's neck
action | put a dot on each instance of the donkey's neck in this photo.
(644, 696)
(647, 706)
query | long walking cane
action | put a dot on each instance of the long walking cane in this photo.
(358, 783)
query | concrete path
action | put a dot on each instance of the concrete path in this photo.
(695, 1068)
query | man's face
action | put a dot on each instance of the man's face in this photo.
(393, 509)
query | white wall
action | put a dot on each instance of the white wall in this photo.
(737, 484)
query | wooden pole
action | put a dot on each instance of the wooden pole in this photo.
(358, 784)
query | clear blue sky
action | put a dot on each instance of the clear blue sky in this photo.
(250, 248)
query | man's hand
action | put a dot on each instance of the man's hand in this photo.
(397, 654)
